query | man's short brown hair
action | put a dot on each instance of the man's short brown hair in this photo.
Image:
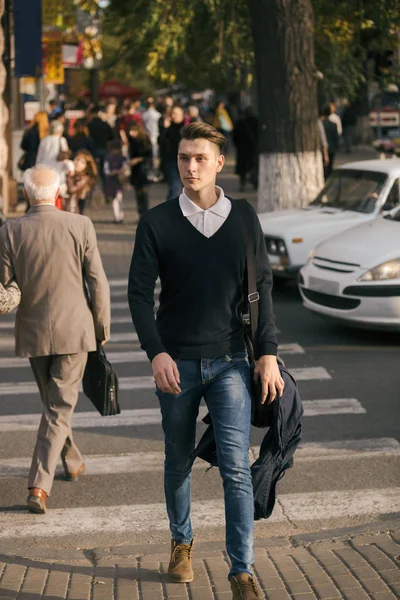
(195, 131)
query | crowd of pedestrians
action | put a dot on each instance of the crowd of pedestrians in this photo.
(135, 143)
(132, 143)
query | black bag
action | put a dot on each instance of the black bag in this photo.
(100, 383)
(261, 414)
(23, 164)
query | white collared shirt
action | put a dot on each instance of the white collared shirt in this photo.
(206, 221)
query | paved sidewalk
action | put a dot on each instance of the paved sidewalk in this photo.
(362, 564)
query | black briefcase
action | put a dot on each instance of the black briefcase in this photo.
(100, 383)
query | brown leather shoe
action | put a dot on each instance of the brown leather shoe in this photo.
(180, 568)
(244, 587)
(74, 476)
(36, 501)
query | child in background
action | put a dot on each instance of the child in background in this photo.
(113, 169)
(81, 182)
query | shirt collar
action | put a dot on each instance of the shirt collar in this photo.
(220, 208)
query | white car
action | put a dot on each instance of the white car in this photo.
(354, 277)
(354, 194)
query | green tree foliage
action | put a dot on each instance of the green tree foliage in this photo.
(200, 43)
(208, 43)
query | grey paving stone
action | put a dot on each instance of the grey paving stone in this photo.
(392, 575)
(376, 557)
(271, 583)
(299, 587)
(201, 593)
(366, 572)
(356, 594)
(103, 589)
(326, 592)
(221, 585)
(80, 587)
(390, 547)
(291, 574)
(384, 596)
(375, 585)
(345, 582)
(200, 581)
(34, 582)
(12, 578)
(278, 595)
(146, 595)
(316, 575)
(57, 585)
(367, 539)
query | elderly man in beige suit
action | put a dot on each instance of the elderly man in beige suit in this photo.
(64, 310)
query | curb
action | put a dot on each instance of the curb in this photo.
(361, 534)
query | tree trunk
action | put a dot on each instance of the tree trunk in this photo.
(291, 172)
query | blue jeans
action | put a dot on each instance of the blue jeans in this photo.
(224, 383)
(173, 178)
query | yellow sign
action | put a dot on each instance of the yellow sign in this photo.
(49, 12)
(52, 57)
(56, 13)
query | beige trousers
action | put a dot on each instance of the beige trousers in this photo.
(58, 378)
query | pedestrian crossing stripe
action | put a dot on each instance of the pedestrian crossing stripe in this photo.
(151, 416)
(137, 518)
(146, 382)
(133, 356)
(145, 462)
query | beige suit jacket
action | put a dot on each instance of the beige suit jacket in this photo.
(65, 302)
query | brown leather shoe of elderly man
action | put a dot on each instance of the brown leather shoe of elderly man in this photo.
(36, 501)
(245, 588)
(180, 568)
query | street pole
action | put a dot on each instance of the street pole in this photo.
(94, 87)
(5, 102)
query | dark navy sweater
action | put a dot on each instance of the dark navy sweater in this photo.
(201, 298)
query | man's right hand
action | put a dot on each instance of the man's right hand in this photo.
(166, 374)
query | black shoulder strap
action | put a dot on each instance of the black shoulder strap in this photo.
(251, 294)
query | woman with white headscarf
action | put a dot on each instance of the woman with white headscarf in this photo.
(54, 153)
(10, 296)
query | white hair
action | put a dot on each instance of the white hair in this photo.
(56, 127)
(41, 184)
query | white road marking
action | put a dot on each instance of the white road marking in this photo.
(152, 517)
(126, 336)
(139, 462)
(146, 382)
(337, 406)
(125, 306)
(126, 357)
(118, 282)
(124, 320)
(347, 449)
(123, 292)
(310, 373)
(151, 416)
(290, 349)
(7, 325)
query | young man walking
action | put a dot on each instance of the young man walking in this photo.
(196, 244)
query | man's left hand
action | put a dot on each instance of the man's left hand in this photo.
(272, 383)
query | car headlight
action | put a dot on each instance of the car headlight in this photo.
(275, 246)
(387, 270)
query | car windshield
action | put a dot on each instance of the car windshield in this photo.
(349, 189)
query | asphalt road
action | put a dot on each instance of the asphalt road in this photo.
(346, 472)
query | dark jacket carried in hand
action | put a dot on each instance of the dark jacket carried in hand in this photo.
(277, 448)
